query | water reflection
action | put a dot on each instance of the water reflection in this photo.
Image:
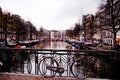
(56, 45)
(52, 45)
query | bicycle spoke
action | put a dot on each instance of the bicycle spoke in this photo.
(44, 69)
(79, 69)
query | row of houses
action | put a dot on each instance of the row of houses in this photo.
(13, 27)
(98, 26)
(104, 35)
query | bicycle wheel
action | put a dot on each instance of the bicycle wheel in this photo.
(43, 66)
(80, 68)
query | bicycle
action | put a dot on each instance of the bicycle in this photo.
(49, 66)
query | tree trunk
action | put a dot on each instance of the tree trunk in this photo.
(114, 40)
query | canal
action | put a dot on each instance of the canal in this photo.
(52, 45)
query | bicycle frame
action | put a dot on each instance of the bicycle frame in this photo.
(60, 69)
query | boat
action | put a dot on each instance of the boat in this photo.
(28, 43)
(11, 44)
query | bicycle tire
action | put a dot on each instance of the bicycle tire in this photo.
(43, 69)
(80, 68)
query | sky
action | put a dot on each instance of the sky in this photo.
(51, 14)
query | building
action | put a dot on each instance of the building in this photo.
(88, 26)
(57, 35)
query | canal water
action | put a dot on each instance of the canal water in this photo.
(52, 45)
(56, 45)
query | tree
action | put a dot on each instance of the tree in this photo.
(76, 29)
(69, 33)
(41, 31)
(111, 20)
(94, 28)
(89, 26)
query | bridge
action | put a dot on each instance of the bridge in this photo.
(102, 64)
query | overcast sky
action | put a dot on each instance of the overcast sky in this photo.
(51, 14)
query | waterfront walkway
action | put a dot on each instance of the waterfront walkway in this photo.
(13, 76)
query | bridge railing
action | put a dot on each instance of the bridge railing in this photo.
(104, 64)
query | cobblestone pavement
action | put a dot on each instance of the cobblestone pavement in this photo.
(13, 76)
